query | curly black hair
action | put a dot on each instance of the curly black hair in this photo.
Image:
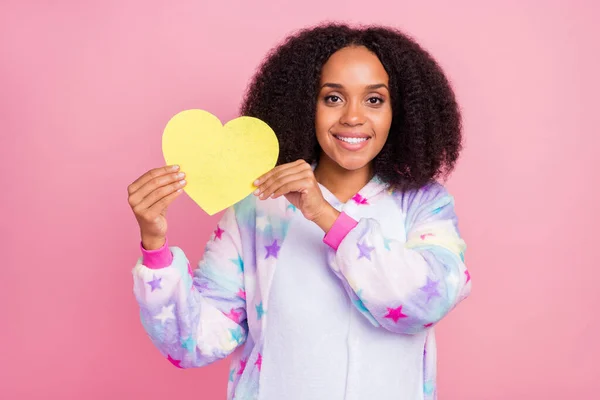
(425, 137)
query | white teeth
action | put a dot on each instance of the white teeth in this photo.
(351, 140)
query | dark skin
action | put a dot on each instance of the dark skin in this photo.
(353, 103)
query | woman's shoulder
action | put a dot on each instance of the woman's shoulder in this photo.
(432, 191)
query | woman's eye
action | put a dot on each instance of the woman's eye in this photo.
(332, 99)
(375, 100)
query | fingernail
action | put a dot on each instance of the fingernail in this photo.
(257, 191)
(175, 167)
(256, 182)
(182, 182)
(180, 175)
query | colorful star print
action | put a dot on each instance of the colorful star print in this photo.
(174, 361)
(431, 289)
(241, 294)
(234, 315)
(292, 207)
(155, 283)
(242, 366)
(423, 236)
(468, 275)
(258, 362)
(395, 314)
(358, 199)
(428, 387)
(437, 210)
(236, 334)
(359, 303)
(231, 374)
(386, 243)
(272, 250)
(166, 313)
(239, 262)
(365, 251)
(259, 310)
(189, 343)
(219, 232)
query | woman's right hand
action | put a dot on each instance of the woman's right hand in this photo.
(149, 197)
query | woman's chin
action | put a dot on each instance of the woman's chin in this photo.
(352, 163)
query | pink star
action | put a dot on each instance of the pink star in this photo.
(258, 362)
(174, 361)
(190, 270)
(241, 294)
(468, 275)
(234, 315)
(395, 314)
(428, 325)
(218, 232)
(358, 199)
(425, 235)
(242, 366)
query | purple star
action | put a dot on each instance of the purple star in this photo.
(431, 289)
(155, 283)
(272, 250)
(365, 251)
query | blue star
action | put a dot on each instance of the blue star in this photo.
(437, 210)
(259, 311)
(428, 387)
(359, 303)
(236, 334)
(386, 243)
(239, 262)
(189, 344)
(231, 373)
(155, 283)
(365, 251)
(293, 207)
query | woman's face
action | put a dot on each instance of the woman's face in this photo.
(354, 111)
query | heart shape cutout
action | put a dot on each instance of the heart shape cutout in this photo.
(221, 163)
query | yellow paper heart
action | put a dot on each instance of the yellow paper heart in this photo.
(220, 162)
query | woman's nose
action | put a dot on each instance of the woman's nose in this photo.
(353, 115)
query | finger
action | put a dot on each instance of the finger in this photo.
(153, 184)
(299, 185)
(277, 170)
(286, 180)
(153, 173)
(302, 167)
(163, 203)
(277, 181)
(157, 195)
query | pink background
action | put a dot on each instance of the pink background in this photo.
(87, 87)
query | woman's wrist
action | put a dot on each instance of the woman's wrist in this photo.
(326, 218)
(151, 243)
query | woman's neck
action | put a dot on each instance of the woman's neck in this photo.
(342, 183)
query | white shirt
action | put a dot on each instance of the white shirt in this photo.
(317, 344)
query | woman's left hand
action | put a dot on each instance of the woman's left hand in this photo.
(296, 181)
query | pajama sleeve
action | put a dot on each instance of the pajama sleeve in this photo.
(194, 318)
(404, 287)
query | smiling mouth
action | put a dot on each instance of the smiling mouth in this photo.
(352, 140)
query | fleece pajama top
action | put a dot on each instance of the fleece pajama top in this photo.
(349, 316)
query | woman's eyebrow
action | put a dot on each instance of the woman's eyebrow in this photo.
(370, 87)
(377, 86)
